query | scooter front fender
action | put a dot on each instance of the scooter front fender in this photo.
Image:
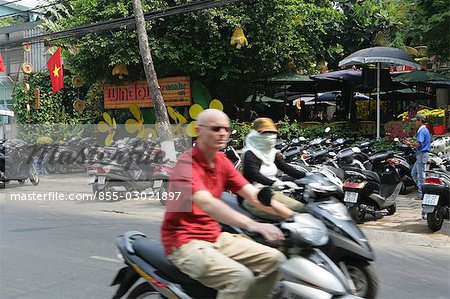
(347, 248)
(307, 272)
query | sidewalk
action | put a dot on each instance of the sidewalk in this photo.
(406, 226)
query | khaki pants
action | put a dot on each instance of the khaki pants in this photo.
(235, 265)
(291, 203)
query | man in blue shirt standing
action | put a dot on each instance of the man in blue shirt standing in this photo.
(422, 145)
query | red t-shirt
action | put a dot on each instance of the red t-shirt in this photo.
(192, 174)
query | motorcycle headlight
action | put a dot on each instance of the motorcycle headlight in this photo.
(337, 210)
(306, 228)
(314, 235)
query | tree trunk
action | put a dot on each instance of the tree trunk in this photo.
(162, 120)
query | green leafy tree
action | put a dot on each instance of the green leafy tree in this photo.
(4, 22)
(198, 43)
(429, 26)
(368, 23)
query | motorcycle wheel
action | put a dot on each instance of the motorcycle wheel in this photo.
(33, 175)
(435, 219)
(357, 214)
(392, 209)
(49, 167)
(364, 278)
(144, 290)
(99, 193)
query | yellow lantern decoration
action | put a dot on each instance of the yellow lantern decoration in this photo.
(238, 38)
(120, 70)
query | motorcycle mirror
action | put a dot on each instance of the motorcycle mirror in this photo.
(356, 150)
(328, 129)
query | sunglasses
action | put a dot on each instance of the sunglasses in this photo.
(217, 128)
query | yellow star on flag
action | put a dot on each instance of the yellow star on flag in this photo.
(56, 71)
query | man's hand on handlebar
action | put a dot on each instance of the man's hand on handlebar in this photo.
(269, 231)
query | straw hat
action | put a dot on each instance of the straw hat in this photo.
(264, 124)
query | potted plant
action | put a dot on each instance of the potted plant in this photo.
(436, 118)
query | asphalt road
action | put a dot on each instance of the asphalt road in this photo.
(66, 250)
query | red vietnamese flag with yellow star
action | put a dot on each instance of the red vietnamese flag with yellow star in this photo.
(55, 68)
(2, 66)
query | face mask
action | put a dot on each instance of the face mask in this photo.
(270, 139)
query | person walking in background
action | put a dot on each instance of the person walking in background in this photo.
(422, 145)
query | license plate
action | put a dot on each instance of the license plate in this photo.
(157, 184)
(101, 180)
(91, 179)
(351, 197)
(430, 199)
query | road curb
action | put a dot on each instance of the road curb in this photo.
(386, 236)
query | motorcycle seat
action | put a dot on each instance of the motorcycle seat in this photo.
(152, 251)
(373, 175)
(368, 173)
(381, 156)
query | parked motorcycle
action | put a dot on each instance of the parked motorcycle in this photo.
(435, 200)
(133, 168)
(67, 156)
(308, 273)
(370, 191)
(16, 163)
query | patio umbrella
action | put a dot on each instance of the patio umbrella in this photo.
(405, 94)
(419, 76)
(349, 75)
(263, 99)
(381, 56)
(331, 96)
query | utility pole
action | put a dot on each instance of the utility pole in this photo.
(162, 120)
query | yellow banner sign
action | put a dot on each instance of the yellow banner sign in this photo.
(176, 91)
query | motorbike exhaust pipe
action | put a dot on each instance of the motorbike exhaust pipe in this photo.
(367, 209)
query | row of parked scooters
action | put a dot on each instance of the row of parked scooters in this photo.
(367, 182)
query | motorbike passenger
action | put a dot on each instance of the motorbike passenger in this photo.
(235, 265)
(261, 164)
(422, 145)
